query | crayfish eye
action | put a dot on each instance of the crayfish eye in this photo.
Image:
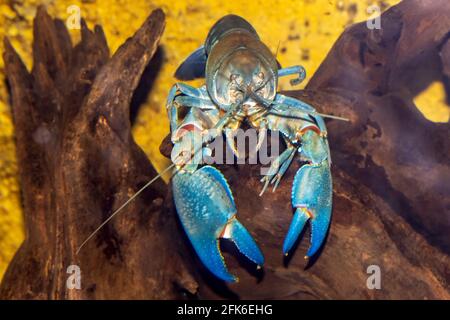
(258, 78)
(234, 78)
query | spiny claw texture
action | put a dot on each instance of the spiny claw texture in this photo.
(207, 212)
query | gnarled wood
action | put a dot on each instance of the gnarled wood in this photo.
(78, 161)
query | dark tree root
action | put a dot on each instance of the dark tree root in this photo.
(78, 161)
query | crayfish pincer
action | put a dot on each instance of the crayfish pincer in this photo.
(241, 77)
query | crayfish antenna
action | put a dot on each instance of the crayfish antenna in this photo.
(123, 206)
(328, 116)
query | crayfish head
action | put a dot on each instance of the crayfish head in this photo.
(241, 76)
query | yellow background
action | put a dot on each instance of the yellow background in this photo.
(304, 30)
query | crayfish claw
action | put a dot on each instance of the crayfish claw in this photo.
(298, 223)
(311, 196)
(211, 256)
(207, 212)
(237, 233)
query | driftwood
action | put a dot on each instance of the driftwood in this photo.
(78, 161)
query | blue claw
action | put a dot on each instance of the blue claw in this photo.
(298, 223)
(311, 196)
(207, 212)
(237, 233)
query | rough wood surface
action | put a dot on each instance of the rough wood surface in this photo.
(391, 171)
(78, 161)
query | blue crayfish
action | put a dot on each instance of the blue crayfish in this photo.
(241, 77)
